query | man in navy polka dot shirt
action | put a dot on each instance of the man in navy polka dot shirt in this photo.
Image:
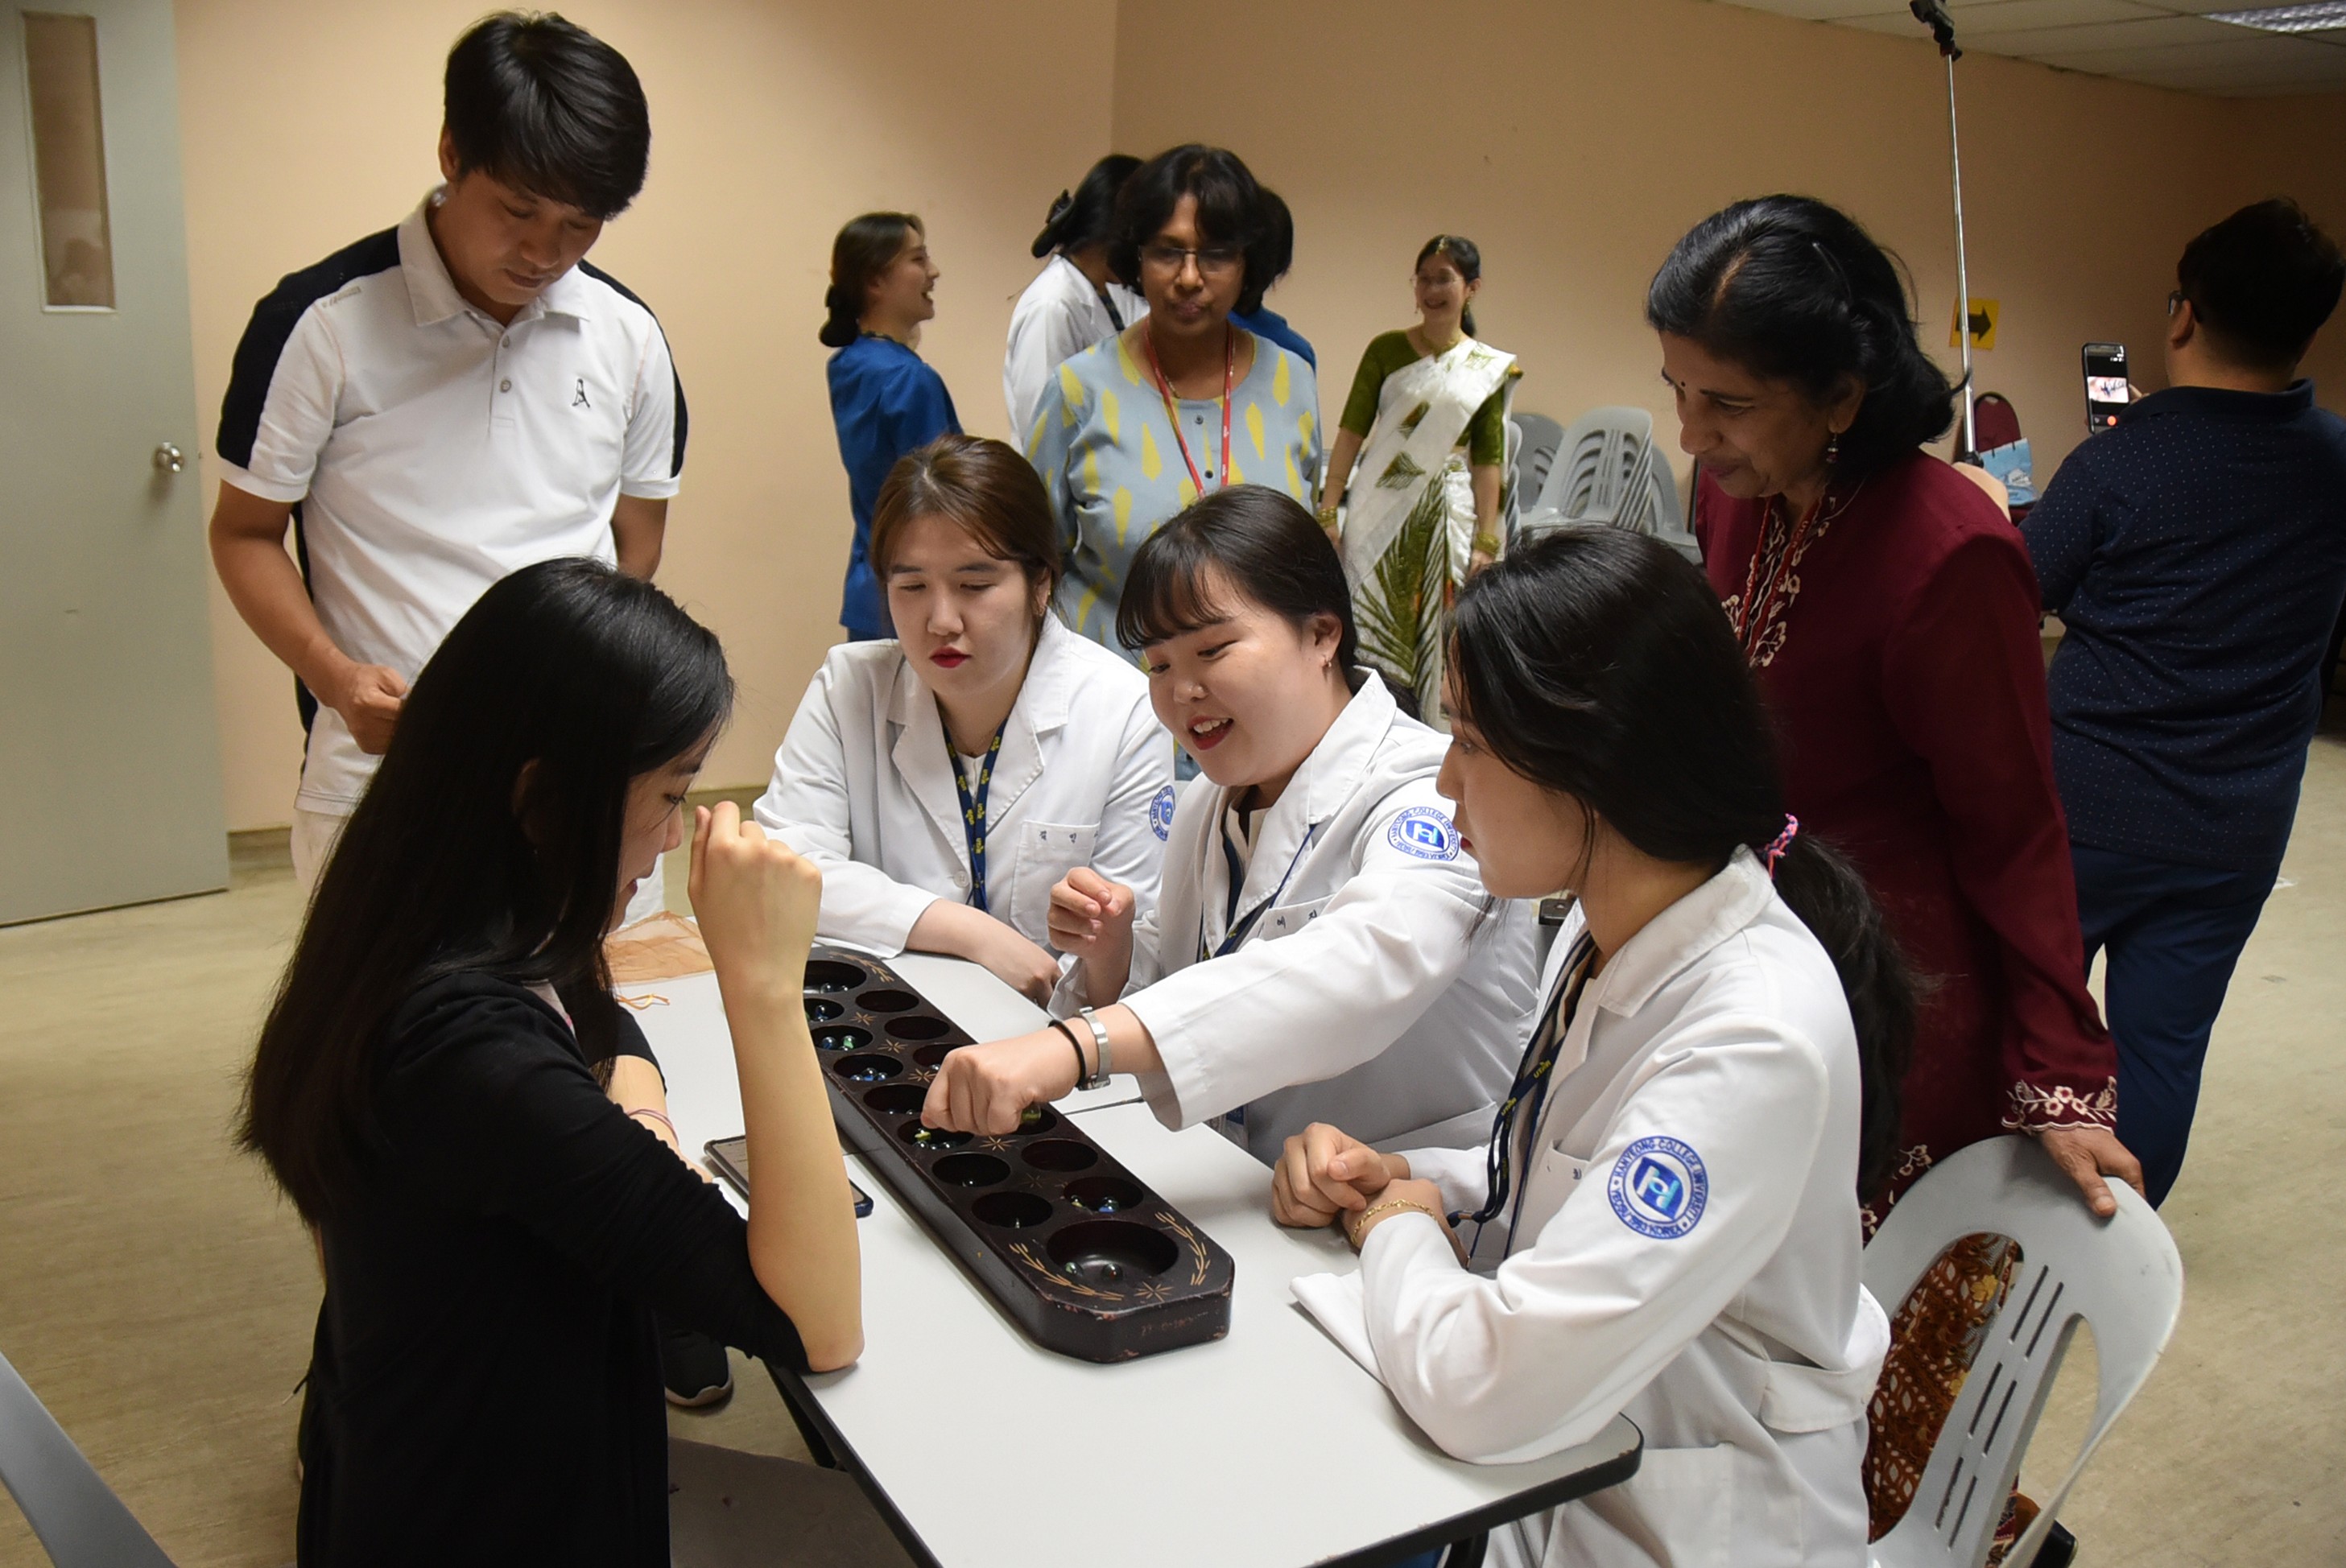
(2197, 553)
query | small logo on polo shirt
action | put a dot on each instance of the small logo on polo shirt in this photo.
(580, 401)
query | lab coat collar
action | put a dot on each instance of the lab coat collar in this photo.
(432, 290)
(921, 752)
(1041, 709)
(1327, 778)
(1680, 934)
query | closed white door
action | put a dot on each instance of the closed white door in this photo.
(109, 765)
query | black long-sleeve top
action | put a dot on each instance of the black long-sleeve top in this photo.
(485, 1382)
(2197, 554)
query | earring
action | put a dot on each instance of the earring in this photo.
(1832, 449)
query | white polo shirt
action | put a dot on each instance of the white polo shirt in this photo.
(432, 451)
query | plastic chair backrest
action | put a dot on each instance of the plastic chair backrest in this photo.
(1537, 437)
(80, 1521)
(2122, 1275)
(1607, 471)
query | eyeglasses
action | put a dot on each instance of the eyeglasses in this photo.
(1213, 261)
(2172, 301)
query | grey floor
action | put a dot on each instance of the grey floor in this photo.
(159, 1299)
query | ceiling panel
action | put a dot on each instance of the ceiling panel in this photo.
(2163, 43)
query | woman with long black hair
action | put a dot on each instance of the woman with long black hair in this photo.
(430, 1089)
(1664, 1223)
(1077, 299)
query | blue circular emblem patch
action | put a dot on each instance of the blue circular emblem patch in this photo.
(1424, 832)
(1160, 814)
(1659, 1187)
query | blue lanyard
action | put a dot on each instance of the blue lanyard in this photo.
(1239, 932)
(1532, 1081)
(973, 814)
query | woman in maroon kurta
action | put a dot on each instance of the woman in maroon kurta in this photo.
(1889, 610)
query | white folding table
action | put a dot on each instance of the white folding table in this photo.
(1269, 1448)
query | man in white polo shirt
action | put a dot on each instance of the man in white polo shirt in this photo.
(447, 402)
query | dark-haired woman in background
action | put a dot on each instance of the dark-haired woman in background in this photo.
(1075, 300)
(1320, 948)
(1890, 611)
(1664, 1221)
(1429, 414)
(1182, 403)
(495, 1232)
(1262, 321)
(884, 398)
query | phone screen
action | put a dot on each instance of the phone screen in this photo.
(2106, 392)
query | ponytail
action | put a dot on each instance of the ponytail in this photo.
(1825, 891)
(866, 247)
(1595, 662)
(1085, 216)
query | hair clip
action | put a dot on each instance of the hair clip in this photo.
(1775, 851)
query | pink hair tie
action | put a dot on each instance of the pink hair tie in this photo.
(1775, 851)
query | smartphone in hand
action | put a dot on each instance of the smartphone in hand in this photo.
(2106, 389)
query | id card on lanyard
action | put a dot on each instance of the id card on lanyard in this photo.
(973, 815)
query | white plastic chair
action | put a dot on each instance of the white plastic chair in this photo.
(1607, 471)
(2121, 1275)
(80, 1521)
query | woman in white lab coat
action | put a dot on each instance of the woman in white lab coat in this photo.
(1665, 1222)
(944, 781)
(1323, 949)
(1076, 300)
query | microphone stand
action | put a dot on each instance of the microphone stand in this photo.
(1933, 14)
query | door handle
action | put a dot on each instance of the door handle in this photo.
(169, 459)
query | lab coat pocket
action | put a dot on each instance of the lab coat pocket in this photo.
(1046, 852)
(1286, 919)
(1679, 1507)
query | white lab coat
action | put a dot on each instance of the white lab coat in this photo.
(1727, 1322)
(1058, 317)
(1383, 991)
(863, 787)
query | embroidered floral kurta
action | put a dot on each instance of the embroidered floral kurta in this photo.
(1901, 660)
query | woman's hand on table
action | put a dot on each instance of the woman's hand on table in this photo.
(1324, 1174)
(1091, 918)
(1398, 1198)
(756, 902)
(987, 1088)
(964, 932)
(2088, 1154)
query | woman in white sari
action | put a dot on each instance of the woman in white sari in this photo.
(1416, 480)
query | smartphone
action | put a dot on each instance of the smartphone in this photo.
(2106, 392)
(730, 1159)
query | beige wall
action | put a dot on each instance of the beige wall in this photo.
(306, 127)
(1584, 138)
(1581, 139)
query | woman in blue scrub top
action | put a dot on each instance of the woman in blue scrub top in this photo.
(884, 398)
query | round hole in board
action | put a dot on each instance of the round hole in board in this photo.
(1105, 1195)
(844, 1037)
(886, 1001)
(822, 1010)
(1059, 1154)
(1036, 1119)
(932, 1139)
(897, 1099)
(934, 1055)
(969, 1170)
(870, 1067)
(919, 1027)
(1111, 1252)
(831, 974)
(1018, 1211)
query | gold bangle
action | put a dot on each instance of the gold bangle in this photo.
(1487, 544)
(1367, 1215)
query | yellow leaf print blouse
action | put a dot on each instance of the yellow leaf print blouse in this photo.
(1113, 467)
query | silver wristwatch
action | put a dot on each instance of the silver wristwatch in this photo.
(1099, 1080)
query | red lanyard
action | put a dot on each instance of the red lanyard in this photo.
(1173, 412)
